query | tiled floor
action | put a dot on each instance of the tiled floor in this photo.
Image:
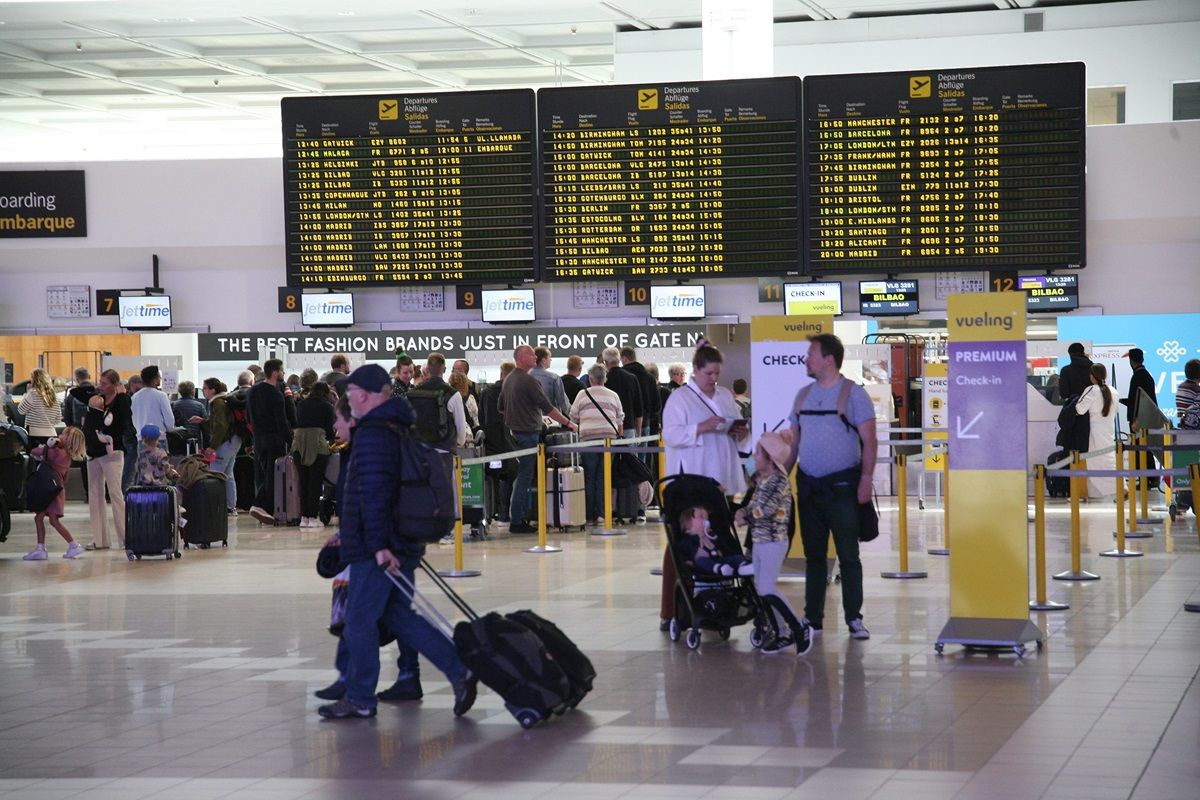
(193, 679)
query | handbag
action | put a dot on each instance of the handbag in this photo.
(868, 522)
(42, 487)
(627, 469)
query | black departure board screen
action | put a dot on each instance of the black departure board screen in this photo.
(671, 180)
(399, 189)
(888, 298)
(1050, 292)
(946, 169)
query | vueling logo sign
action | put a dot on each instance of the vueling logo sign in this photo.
(986, 320)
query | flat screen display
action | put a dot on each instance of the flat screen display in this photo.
(802, 299)
(332, 310)
(888, 298)
(507, 305)
(1050, 292)
(152, 312)
(676, 302)
(410, 189)
(946, 169)
(670, 180)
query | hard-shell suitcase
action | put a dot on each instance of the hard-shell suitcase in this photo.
(207, 517)
(566, 499)
(287, 491)
(13, 473)
(151, 517)
(625, 503)
(243, 477)
(1057, 486)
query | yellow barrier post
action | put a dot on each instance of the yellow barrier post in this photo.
(541, 546)
(1194, 473)
(1144, 458)
(459, 570)
(902, 522)
(608, 529)
(944, 550)
(1132, 531)
(1076, 573)
(1120, 551)
(1040, 602)
(1169, 493)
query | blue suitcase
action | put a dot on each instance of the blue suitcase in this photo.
(151, 513)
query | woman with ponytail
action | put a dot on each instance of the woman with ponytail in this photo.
(1098, 403)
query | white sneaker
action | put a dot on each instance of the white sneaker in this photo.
(73, 550)
(858, 630)
(262, 516)
(38, 553)
(304, 522)
(315, 523)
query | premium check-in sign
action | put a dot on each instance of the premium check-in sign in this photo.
(987, 398)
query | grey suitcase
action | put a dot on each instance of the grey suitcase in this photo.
(287, 491)
(561, 458)
(566, 505)
(625, 503)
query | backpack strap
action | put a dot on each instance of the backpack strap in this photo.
(843, 405)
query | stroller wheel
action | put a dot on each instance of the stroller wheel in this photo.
(693, 639)
(724, 634)
(673, 630)
(757, 638)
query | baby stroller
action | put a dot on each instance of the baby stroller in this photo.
(704, 601)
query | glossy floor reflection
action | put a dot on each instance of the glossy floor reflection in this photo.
(193, 679)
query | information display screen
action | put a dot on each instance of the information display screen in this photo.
(400, 189)
(144, 312)
(803, 299)
(508, 305)
(327, 310)
(946, 169)
(671, 180)
(888, 298)
(1050, 292)
(677, 302)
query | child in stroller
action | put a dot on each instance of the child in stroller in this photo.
(705, 600)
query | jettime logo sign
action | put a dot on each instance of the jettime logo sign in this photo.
(676, 302)
(328, 311)
(145, 312)
(508, 306)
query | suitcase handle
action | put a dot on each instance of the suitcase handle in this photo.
(421, 603)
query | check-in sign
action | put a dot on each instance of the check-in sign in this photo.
(987, 398)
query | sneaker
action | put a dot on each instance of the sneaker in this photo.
(641, 519)
(334, 691)
(464, 694)
(94, 546)
(304, 522)
(664, 625)
(804, 639)
(447, 539)
(261, 516)
(777, 645)
(315, 524)
(403, 689)
(73, 550)
(858, 630)
(38, 553)
(233, 512)
(521, 527)
(813, 628)
(344, 709)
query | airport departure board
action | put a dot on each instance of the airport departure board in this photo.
(946, 169)
(401, 189)
(698, 179)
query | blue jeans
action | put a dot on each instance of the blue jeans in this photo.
(226, 454)
(525, 469)
(593, 484)
(406, 665)
(373, 597)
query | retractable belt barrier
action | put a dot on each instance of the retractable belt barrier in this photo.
(938, 446)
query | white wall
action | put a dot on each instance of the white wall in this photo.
(1144, 46)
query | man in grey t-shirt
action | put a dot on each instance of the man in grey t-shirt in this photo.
(834, 477)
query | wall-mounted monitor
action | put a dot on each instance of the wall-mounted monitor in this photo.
(508, 305)
(144, 312)
(888, 298)
(803, 299)
(327, 310)
(1050, 292)
(677, 302)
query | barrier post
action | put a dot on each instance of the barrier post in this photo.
(541, 546)
(1194, 471)
(1120, 551)
(1133, 532)
(459, 571)
(1040, 602)
(608, 529)
(902, 523)
(1076, 573)
(1144, 459)
(944, 550)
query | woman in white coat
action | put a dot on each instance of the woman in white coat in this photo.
(1097, 402)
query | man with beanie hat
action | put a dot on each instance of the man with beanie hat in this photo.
(1076, 376)
(371, 544)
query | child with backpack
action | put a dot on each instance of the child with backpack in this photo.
(58, 453)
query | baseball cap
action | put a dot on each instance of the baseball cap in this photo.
(150, 432)
(369, 377)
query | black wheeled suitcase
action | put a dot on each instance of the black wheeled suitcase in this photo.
(150, 522)
(206, 515)
(574, 664)
(625, 503)
(13, 472)
(1057, 486)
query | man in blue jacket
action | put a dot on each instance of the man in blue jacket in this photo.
(371, 544)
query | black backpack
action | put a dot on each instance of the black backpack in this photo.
(42, 487)
(1074, 429)
(426, 503)
(237, 402)
(434, 423)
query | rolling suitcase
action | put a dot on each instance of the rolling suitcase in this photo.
(243, 476)
(207, 518)
(566, 500)
(474, 494)
(287, 491)
(1057, 486)
(151, 514)
(575, 665)
(625, 503)
(13, 473)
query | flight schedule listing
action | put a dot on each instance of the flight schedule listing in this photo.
(946, 169)
(671, 180)
(400, 189)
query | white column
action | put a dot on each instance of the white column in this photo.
(738, 39)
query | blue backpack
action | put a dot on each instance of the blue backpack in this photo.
(426, 503)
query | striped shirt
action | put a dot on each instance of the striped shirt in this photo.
(40, 419)
(591, 422)
(1186, 394)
